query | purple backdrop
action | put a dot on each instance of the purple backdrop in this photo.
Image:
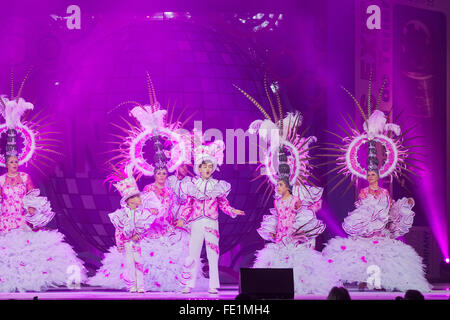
(194, 58)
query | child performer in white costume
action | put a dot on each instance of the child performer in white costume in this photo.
(205, 195)
(132, 222)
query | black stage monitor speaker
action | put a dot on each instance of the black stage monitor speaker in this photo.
(264, 283)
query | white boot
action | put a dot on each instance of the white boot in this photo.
(186, 290)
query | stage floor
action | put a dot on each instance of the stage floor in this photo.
(440, 292)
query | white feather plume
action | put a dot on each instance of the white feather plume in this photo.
(268, 130)
(14, 111)
(376, 124)
(289, 121)
(254, 126)
(147, 118)
(393, 127)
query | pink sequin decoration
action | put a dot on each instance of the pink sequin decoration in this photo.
(213, 231)
(213, 246)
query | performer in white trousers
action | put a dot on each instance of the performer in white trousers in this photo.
(204, 230)
(205, 196)
(132, 221)
(134, 275)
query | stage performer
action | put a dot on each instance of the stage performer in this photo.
(164, 246)
(371, 255)
(132, 222)
(32, 258)
(292, 226)
(205, 195)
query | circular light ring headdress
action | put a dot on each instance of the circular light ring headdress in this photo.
(151, 123)
(349, 164)
(29, 137)
(281, 132)
(298, 160)
(375, 130)
(389, 166)
(35, 146)
(176, 156)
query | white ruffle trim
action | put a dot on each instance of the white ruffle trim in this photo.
(268, 226)
(305, 221)
(401, 218)
(400, 266)
(35, 261)
(163, 265)
(312, 273)
(142, 222)
(43, 214)
(307, 194)
(368, 219)
(219, 189)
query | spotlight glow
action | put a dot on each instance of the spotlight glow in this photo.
(435, 210)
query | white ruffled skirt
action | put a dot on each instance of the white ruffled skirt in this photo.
(36, 261)
(163, 260)
(396, 265)
(312, 273)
